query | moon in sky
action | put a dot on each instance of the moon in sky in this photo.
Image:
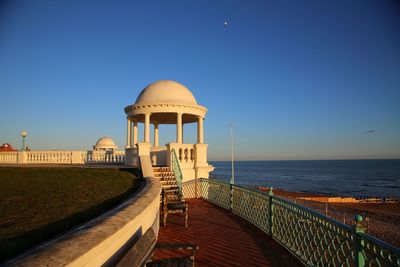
(226, 23)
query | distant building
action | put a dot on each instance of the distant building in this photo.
(7, 147)
(105, 144)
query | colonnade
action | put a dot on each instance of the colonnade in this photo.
(132, 133)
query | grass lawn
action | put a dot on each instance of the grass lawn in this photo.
(39, 203)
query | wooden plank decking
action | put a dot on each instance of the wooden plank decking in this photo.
(224, 239)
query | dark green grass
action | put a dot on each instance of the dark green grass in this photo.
(39, 203)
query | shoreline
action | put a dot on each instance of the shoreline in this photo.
(330, 198)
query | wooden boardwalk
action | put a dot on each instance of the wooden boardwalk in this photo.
(224, 239)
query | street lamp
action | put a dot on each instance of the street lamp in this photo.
(23, 134)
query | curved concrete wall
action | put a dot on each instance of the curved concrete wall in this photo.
(105, 239)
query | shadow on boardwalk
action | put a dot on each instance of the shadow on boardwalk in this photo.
(224, 239)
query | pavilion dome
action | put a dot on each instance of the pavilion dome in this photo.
(105, 144)
(105, 141)
(165, 92)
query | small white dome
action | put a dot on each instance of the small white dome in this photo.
(105, 141)
(105, 144)
(166, 91)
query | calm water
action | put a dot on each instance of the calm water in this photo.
(332, 177)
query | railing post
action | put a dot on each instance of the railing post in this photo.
(270, 211)
(230, 197)
(358, 242)
(22, 157)
(195, 187)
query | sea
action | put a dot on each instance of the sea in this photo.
(356, 178)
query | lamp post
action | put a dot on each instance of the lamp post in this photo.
(23, 134)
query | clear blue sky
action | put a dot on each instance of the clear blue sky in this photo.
(298, 79)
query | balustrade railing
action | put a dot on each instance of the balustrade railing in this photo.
(104, 157)
(48, 157)
(315, 239)
(159, 156)
(62, 157)
(9, 157)
(184, 152)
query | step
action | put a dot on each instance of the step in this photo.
(161, 169)
(162, 176)
(167, 178)
(163, 173)
(172, 194)
(168, 185)
(168, 182)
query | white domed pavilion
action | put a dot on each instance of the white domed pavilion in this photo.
(167, 102)
(105, 144)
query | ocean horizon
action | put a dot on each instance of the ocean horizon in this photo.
(344, 177)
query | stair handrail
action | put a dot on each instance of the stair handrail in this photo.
(176, 168)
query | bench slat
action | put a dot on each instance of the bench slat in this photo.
(173, 262)
(140, 251)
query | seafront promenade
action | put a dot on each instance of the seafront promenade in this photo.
(224, 239)
(236, 226)
(232, 225)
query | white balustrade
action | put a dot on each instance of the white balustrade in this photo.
(185, 153)
(158, 155)
(49, 157)
(9, 157)
(63, 157)
(104, 157)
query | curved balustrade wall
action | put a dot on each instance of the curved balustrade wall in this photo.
(104, 240)
(312, 237)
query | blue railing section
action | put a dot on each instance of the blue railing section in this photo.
(315, 239)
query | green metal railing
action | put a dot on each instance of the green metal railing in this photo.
(315, 239)
(177, 170)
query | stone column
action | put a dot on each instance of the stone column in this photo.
(200, 135)
(135, 133)
(128, 132)
(155, 134)
(147, 128)
(179, 128)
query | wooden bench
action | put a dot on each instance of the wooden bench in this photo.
(173, 203)
(141, 253)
